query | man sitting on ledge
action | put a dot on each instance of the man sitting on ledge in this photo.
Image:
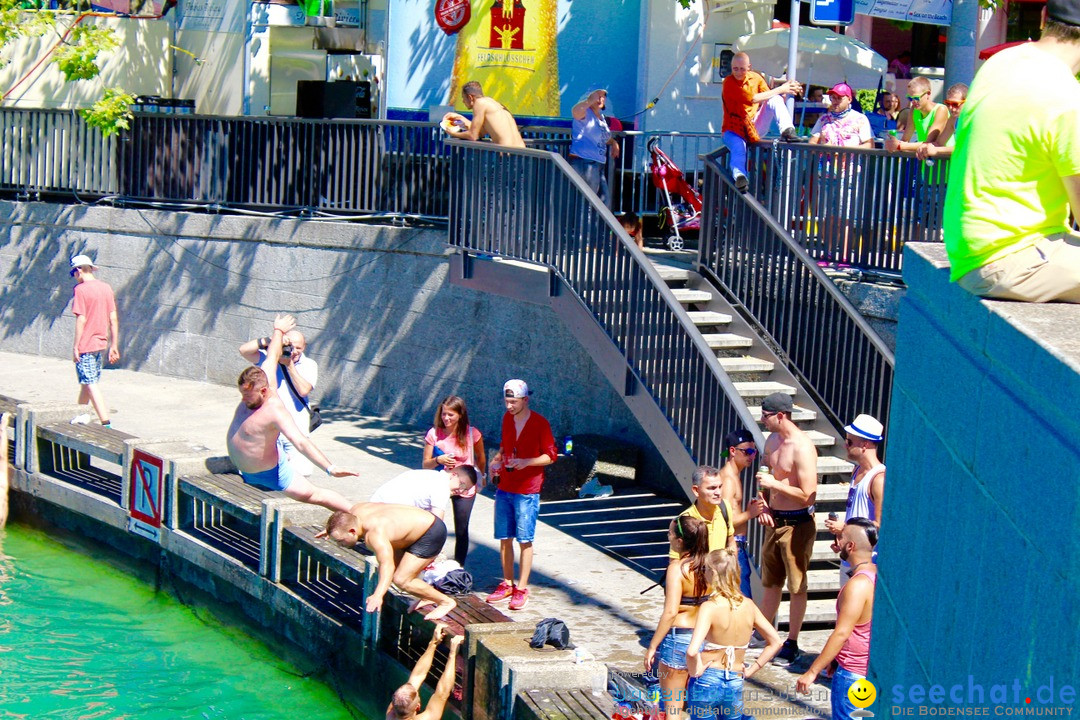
(405, 705)
(1016, 170)
(253, 435)
(404, 539)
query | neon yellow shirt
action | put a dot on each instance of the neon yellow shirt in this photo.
(719, 531)
(1018, 136)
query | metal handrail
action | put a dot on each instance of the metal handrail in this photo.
(51, 151)
(530, 205)
(773, 280)
(853, 207)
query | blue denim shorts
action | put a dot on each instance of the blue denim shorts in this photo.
(842, 680)
(716, 694)
(89, 368)
(672, 650)
(515, 515)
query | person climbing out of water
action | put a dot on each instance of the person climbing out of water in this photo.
(405, 704)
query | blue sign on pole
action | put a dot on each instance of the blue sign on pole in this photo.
(832, 12)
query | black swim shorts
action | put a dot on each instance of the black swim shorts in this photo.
(431, 542)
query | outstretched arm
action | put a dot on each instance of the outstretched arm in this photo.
(423, 664)
(437, 703)
(384, 553)
(282, 325)
(852, 601)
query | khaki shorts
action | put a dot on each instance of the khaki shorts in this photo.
(1048, 270)
(786, 554)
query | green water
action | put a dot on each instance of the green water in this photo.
(81, 638)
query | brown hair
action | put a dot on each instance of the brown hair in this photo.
(453, 402)
(723, 569)
(693, 534)
(404, 701)
(340, 521)
(252, 377)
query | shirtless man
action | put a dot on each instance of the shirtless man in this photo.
(790, 490)
(253, 435)
(404, 539)
(740, 449)
(489, 117)
(405, 705)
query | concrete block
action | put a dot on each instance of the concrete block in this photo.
(503, 665)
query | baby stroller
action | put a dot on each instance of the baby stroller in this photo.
(666, 176)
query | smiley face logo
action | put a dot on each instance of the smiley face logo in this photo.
(862, 693)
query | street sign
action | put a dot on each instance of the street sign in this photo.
(146, 496)
(832, 12)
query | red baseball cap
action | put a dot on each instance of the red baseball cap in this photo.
(842, 89)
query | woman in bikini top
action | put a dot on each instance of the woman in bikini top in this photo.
(714, 657)
(685, 590)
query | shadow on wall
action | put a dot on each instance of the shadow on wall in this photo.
(391, 336)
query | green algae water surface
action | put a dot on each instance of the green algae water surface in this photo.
(80, 638)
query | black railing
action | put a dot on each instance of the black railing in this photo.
(52, 151)
(850, 206)
(530, 205)
(778, 285)
(330, 166)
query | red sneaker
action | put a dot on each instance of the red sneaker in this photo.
(505, 590)
(520, 598)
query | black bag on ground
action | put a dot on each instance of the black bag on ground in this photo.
(551, 631)
(455, 582)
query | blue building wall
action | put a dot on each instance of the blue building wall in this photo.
(598, 47)
(978, 578)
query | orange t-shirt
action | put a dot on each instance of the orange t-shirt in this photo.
(740, 110)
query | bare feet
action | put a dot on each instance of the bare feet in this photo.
(417, 604)
(441, 610)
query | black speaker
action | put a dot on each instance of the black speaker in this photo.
(321, 99)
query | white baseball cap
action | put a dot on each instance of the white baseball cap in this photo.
(516, 389)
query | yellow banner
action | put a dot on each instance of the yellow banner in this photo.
(511, 48)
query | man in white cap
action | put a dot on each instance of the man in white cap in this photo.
(527, 446)
(97, 329)
(867, 480)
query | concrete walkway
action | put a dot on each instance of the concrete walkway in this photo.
(599, 597)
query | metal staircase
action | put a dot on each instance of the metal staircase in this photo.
(691, 360)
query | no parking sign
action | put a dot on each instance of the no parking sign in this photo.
(145, 499)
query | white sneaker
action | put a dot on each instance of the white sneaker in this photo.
(84, 419)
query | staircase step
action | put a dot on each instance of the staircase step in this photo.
(827, 580)
(687, 297)
(761, 390)
(829, 465)
(745, 364)
(831, 492)
(823, 552)
(819, 439)
(727, 341)
(670, 273)
(706, 318)
(817, 612)
(798, 414)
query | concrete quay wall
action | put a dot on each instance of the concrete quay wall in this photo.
(391, 335)
(262, 561)
(980, 562)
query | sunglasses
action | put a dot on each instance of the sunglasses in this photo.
(916, 98)
(768, 414)
(953, 105)
(748, 452)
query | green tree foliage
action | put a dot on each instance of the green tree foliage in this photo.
(76, 51)
(110, 114)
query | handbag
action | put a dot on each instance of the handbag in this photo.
(314, 412)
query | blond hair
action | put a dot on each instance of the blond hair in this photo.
(722, 570)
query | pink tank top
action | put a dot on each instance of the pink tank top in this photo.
(855, 655)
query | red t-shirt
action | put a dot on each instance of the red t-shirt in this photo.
(95, 301)
(740, 111)
(536, 440)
